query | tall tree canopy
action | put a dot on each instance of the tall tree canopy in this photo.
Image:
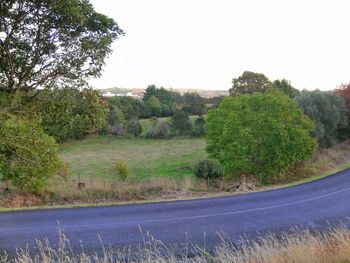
(284, 86)
(249, 82)
(328, 110)
(52, 42)
(262, 134)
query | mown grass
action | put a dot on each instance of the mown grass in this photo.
(93, 157)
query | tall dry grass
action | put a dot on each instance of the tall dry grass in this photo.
(300, 246)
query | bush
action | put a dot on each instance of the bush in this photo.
(134, 127)
(122, 169)
(199, 127)
(208, 169)
(117, 129)
(159, 131)
(28, 156)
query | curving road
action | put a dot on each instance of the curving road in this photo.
(314, 204)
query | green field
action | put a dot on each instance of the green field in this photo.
(93, 157)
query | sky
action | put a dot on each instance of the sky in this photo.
(203, 44)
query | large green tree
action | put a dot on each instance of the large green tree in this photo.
(328, 110)
(249, 82)
(51, 43)
(262, 134)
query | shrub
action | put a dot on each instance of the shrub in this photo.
(199, 127)
(208, 169)
(160, 131)
(117, 129)
(28, 156)
(121, 168)
(134, 127)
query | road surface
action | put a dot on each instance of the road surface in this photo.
(314, 204)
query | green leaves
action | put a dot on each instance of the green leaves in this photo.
(47, 43)
(28, 157)
(261, 134)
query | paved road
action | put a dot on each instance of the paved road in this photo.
(310, 205)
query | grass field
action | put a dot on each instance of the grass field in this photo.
(93, 157)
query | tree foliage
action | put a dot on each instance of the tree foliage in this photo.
(262, 134)
(285, 87)
(180, 123)
(249, 82)
(48, 43)
(328, 110)
(69, 114)
(28, 157)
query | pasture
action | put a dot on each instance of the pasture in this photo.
(94, 157)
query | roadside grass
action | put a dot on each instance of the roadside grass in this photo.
(302, 246)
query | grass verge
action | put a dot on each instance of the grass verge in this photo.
(302, 246)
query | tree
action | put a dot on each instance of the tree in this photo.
(28, 157)
(285, 87)
(328, 110)
(164, 96)
(344, 92)
(68, 113)
(262, 134)
(199, 127)
(180, 123)
(249, 82)
(52, 43)
(153, 106)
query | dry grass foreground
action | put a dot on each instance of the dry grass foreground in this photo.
(302, 246)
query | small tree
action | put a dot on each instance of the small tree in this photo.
(180, 123)
(134, 127)
(262, 134)
(28, 157)
(199, 127)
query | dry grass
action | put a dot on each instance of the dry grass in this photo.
(298, 246)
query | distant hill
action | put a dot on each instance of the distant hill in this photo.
(139, 92)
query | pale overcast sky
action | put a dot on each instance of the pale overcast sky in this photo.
(203, 44)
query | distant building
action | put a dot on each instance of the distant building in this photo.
(108, 94)
(128, 94)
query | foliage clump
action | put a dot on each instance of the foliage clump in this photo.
(28, 156)
(121, 168)
(329, 112)
(208, 169)
(262, 134)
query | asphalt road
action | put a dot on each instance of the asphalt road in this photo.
(316, 204)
